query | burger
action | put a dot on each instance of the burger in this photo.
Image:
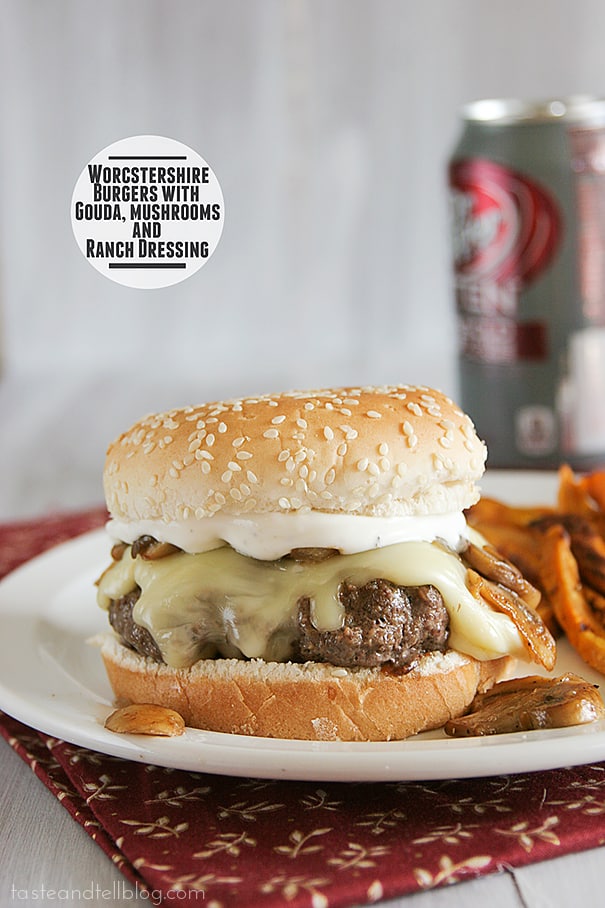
(299, 566)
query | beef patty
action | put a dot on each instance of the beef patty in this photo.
(383, 624)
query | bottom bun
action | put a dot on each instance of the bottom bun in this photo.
(307, 701)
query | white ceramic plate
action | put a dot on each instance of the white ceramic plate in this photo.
(52, 679)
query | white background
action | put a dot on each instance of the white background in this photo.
(328, 125)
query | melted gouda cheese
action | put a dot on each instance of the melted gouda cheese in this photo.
(196, 605)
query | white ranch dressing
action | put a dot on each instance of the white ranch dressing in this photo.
(268, 536)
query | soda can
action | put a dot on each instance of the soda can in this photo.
(527, 187)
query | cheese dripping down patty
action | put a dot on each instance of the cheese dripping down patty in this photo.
(256, 599)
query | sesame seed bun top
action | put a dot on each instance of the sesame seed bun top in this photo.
(388, 451)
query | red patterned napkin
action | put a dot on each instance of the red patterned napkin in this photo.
(250, 842)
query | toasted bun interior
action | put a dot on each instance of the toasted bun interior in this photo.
(308, 701)
(389, 451)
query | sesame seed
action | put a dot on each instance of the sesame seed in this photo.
(373, 469)
(300, 456)
(203, 455)
(222, 428)
(385, 464)
(284, 503)
(252, 477)
(342, 448)
(328, 433)
(235, 494)
(195, 444)
(205, 467)
(362, 464)
(172, 472)
(374, 414)
(227, 476)
(414, 408)
(167, 439)
(402, 468)
(309, 406)
(283, 455)
(408, 428)
(277, 420)
(238, 442)
(220, 498)
(302, 423)
(271, 433)
(233, 466)
(412, 441)
(445, 442)
(210, 439)
(330, 477)
(383, 449)
(243, 455)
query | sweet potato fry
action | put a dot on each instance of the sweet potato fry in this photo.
(583, 496)
(572, 498)
(594, 485)
(587, 546)
(492, 511)
(561, 581)
(597, 603)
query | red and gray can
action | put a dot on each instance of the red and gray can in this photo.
(527, 183)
